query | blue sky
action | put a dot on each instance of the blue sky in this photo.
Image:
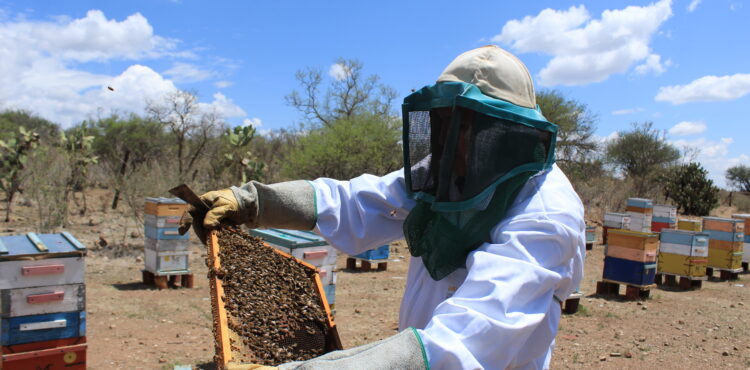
(685, 65)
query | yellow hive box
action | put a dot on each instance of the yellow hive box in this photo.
(689, 225)
(678, 264)
(725, 245)
(633, 239)
(647, 211)
(724, 259)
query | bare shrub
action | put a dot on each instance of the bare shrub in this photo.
(47, 186)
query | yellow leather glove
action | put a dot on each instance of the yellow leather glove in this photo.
(223, 207)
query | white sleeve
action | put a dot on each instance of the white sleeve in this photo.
(504, 315)
(363, 213)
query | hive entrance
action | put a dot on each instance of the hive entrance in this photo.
(272, 310)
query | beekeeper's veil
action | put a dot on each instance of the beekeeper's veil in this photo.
(470, 143)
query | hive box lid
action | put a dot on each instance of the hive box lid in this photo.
(31, 244)
(164, 200)
(289, 238)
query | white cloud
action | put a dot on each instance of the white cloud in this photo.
(708, 88)
(735, 6)
(41, 66)
(653, 64)
(186, 72)
(714, 156)
(255, 122)
(223, 84)
(693, 4)
(586, 50)
(620, 112)
(223, 106)
(685, 128)
(604, 140)
(338, 71)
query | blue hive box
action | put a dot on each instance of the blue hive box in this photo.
(691, 238)
(380, 253)
(640, 202)
(289, 238)
(724, 235)
(165, 233)
(629, 272)
(39, 328)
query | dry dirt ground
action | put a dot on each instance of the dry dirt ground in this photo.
(133, 326)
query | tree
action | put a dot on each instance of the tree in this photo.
(191, 128)
(123, 144)
(78, 145)
(576, 126)
(11, 120)
(640, 154)
(350, 94)
(690, 188)
(738, 177)
(13, 155)
(236, 157)
(348, 147)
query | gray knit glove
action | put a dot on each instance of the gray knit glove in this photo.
(401, 351)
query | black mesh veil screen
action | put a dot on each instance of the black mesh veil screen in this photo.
(487, 149)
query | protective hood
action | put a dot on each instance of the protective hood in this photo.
(460, 144)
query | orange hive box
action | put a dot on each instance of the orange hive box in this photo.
(633, 239)
(224, 336)
(632, 254)
(635, 209)
(723, 224)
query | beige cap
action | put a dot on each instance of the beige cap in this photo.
(496, 72)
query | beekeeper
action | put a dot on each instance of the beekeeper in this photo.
(495, 228)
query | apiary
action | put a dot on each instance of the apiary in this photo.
(683, 253)
(166, 254)
(726, 238)
(664, 217)
(689, 225)
(268, 306)
(746, 239)
(630, 257)
(42, 301)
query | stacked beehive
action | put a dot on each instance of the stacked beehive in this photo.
(630, 257)
(640, 212)
(683, 253)
(689, 225)
(614, 220)
(42, 302)
(378, 255)
(664, 217)
(590, 237)
(726, 237)
(309, 247)
(166, 251)
(746, 245)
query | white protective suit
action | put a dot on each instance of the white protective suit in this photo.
(501, 311)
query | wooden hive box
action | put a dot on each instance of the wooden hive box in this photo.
(689, 225)
(678, 264)
(633, 239)
(746, 218)
(165, 206)
(725, 259)
(303, 245)
(624, 271)
(68, 357)
(227, 353)
(632, 254)
(723, 224)
(614, 220)
(42, 294)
